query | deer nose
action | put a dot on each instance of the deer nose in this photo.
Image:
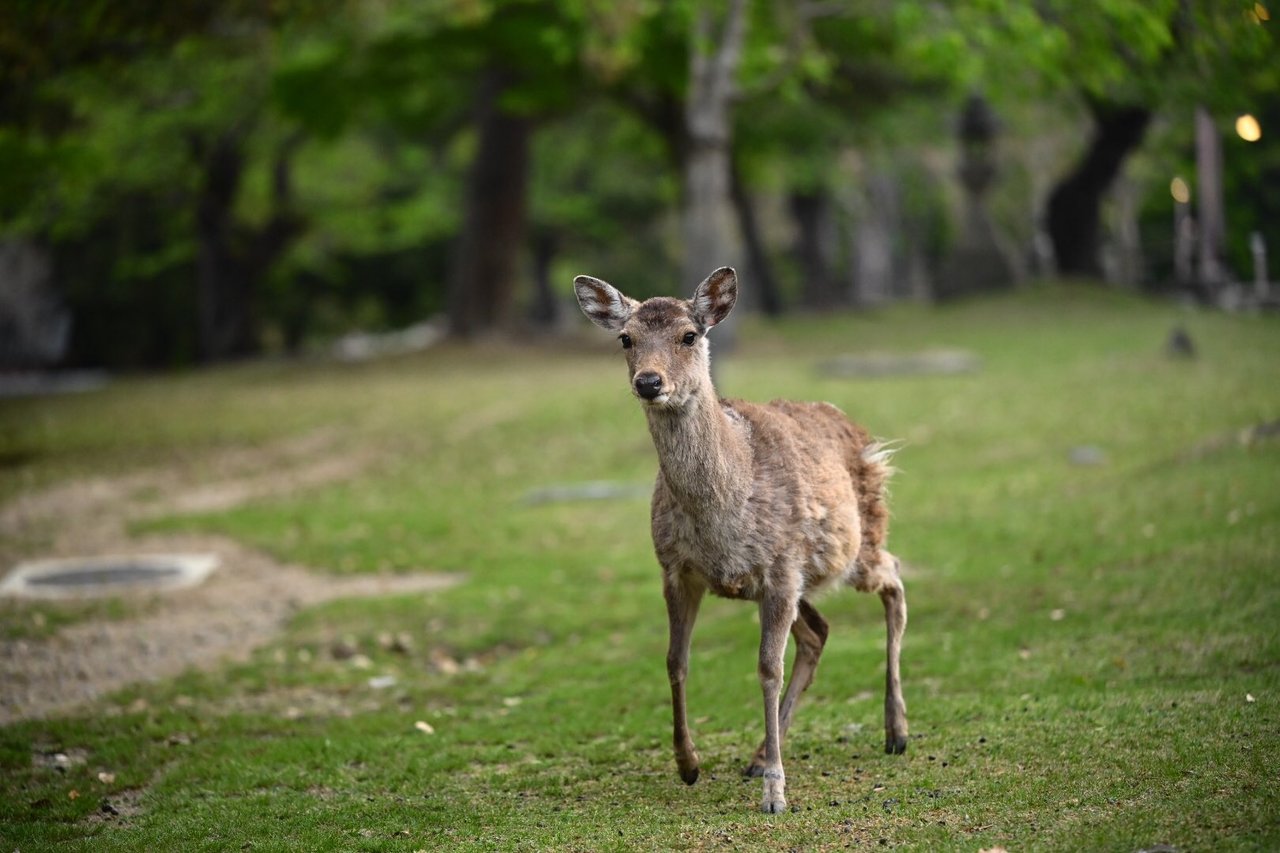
(648, 385)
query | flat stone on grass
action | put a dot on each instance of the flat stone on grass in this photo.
(938, 362)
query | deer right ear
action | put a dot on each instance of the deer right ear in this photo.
(604, 304)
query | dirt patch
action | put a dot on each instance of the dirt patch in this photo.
(245, 602)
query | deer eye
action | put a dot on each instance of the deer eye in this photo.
(689, 338)
(626, 341)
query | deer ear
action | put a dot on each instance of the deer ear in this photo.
(714, 298)
(604, 304)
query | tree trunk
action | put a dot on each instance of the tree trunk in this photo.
(225, 292)
(762, 278)
(1074, 210)
(1211, 224)
(486, 264)
(710, 239)
(231, 260)
(546, 310)
(812, 213)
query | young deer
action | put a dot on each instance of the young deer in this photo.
(766, 503)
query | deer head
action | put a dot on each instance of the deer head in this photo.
(664, 339)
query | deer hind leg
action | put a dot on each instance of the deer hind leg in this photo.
(682, 611)
(880, 574)
(777, 614)
(810, 632)
(893, 594)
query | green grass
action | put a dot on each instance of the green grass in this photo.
(1082, 642)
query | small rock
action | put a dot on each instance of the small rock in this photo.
(443, 663)
(106, 778)
(382, 682)
(424, 727)
(344, 648)
(1087, 455)
(400, 643)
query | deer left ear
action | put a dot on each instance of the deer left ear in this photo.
(715, 297)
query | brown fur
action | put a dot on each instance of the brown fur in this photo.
(767, 503)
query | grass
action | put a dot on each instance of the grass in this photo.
(1093, 659)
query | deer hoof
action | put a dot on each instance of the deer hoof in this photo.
(775, 801)
(689, 776)
(895, 744)
(753, 770)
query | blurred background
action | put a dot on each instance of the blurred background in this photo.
(197, 182)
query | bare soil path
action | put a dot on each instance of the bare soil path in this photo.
(242, 604)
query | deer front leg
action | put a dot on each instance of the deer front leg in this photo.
(776, 618)
(810, 631)
(682, 611)
(894, 597)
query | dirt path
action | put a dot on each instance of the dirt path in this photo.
(246, 601)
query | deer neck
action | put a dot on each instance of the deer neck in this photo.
(705, 457)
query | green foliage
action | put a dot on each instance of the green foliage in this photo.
(104, 107)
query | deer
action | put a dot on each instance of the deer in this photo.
(769, 503)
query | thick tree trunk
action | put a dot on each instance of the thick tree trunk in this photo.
(1074, 210)
(231, 260)
(225, 292)
(710, 238)
(486, 265)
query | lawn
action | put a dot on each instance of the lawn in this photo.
(1092, 660)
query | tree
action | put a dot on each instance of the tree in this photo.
(160, 114)
(1126, 60)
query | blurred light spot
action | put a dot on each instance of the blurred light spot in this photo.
(1248, 128)
(1180, 191)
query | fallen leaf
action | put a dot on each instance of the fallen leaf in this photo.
(382, 682)
(1024, 653)
(443, 662)
(73, 794)
(106, 778)
(424, 727)
(993, 850)
(1058, 614)
(361, 661)
(1248, 697)
(512, 701)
